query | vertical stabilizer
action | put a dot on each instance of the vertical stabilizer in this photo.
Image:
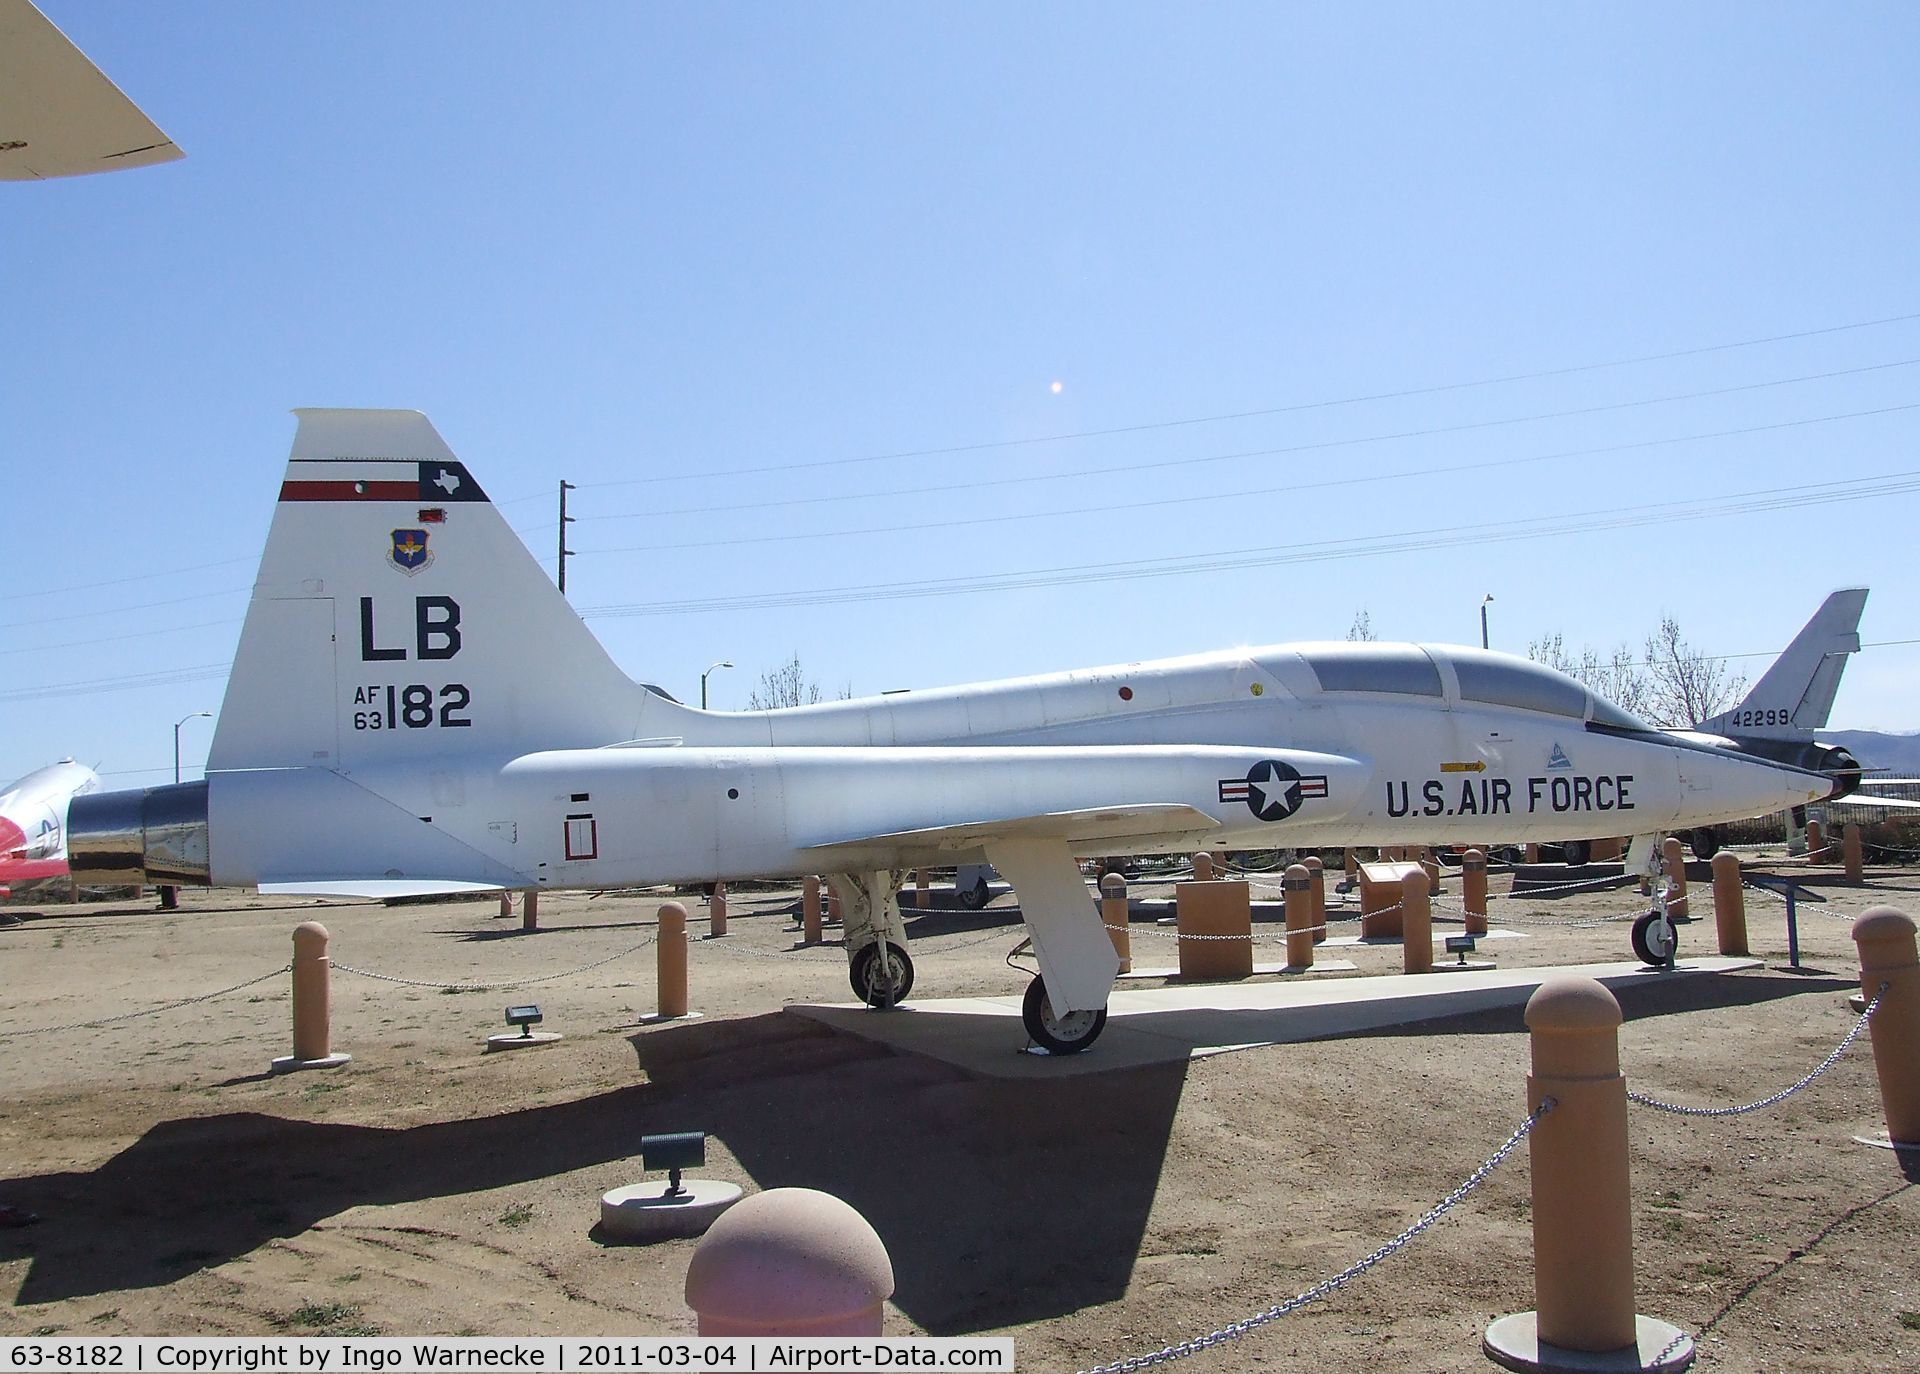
(398, 619)
(1795, 696)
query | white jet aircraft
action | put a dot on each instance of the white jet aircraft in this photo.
(1793, 698)
(33, 822)
(414, 707)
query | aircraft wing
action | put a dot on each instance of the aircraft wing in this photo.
(379, 889)
(1102, 827)
(1877, 803)
(59, 114)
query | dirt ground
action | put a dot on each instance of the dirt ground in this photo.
(428, 1187)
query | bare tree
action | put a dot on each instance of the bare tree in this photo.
(786, 685)
(1362, 627)
(1685, 686)
(1670, 685)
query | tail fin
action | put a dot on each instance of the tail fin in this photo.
(1795, 696)
(397, 618)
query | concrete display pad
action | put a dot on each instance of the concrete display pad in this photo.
(1514, 1343)
(288, 1064)
(513, 1040)
(645, 1212)
(1318, 966)
(1164, 1025)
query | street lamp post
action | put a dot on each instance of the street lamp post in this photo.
(703, 681)
(170, 892)
(176, 738)
(1483, 620)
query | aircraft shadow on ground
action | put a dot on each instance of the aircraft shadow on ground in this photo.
(999, 1202)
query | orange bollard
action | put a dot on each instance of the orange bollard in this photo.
(1582, 1202)
(1885, 937)
(1298, 886)
(717, 910)
(810, 911)
(530, 910)
(1416, 924)
(833, 907)
(1352, 867)
(1317, 875)
(312, 1003)
(1675, 859)
(670, 967)
(1113, 915)
(1473, 890)
(1203, 867)
(1532, 855)
(1853, 853)
(506, 904)
(922, 898)
(1729, 904)
(1816, 843)
(790, 1262)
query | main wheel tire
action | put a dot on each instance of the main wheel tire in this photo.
(1654, 940)
(1576, 852)
(864, 972)
(1068, 1034)
(975, 897)
(1705, 843)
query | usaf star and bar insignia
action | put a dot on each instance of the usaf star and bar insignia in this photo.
(1273, 790)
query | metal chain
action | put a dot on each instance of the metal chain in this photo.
(498, 983)
(1345, 1276)
(147, 1011)
(1643, 1100)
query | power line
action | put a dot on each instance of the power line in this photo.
(1325, 551)
(1293, 408)
(947, 523)
(1317, 446)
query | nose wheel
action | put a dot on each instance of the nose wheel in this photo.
(1067, 1033)
(881, 982)
(1655, 939)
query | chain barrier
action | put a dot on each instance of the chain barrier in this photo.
(146, 1011)
(496, 983)
(1643, 1100)
(1573, 922)
(1340, 1280)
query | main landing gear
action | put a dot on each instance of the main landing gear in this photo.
(1068, 1033)
(878, 965)
(881, 980)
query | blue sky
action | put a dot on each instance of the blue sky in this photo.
(786, 291)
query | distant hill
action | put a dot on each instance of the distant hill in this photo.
(1898, 754)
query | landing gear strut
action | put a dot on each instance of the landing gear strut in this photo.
(1059, 1034)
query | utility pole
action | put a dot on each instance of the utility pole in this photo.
(565, 520)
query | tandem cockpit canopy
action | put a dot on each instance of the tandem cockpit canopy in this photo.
(1480, 677)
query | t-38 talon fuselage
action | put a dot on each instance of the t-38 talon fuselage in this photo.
(414, 707)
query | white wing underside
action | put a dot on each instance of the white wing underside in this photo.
(1156, 823)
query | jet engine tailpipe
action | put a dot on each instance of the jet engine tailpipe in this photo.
(154, 835)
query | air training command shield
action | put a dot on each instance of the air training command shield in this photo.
(409, 552)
